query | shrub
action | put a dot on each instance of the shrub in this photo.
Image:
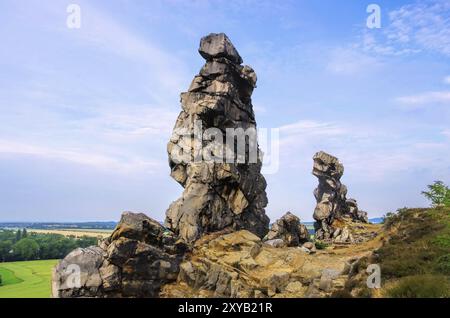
(424, 286)
(443, 265)
(321, 245)
(438, 194)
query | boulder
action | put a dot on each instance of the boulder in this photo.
(138, 257)
(276, 243)
(78, 273)
(217, 45)
(223, 185)
(289, 229)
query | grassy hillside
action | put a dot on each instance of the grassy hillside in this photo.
(414, 258)
(31, 279)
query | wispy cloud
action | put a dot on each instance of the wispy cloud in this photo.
(104, 32)
(80, 156)
(311, 127)
(424, 99)
(446, 133)
(412, 28)
(362, 146)
(351, 60)
(447, 79)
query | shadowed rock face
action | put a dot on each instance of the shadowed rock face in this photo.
(217, 195)
(331, 198)
(138, 257)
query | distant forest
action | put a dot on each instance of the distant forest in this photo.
(19, 245)
(56, 225)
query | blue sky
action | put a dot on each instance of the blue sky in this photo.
(86, 113)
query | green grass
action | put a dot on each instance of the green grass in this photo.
(420, 246)
(8, 277)
(424, 286)
(31, 279)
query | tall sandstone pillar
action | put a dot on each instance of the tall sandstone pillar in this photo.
(217, 195)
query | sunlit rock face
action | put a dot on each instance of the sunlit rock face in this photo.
(223, 184)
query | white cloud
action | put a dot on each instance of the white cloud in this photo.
(426, 25)
(106, 33)
(80, 156)
(311, 127)
(412, 28)
(447, 80)
(350, 60)
(130, 122)
(446, 133)
(423, 99)
(368, 152)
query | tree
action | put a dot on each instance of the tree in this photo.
(24, 233)
(18, 235)
(5, 249)
(438, 194)
(26, 249)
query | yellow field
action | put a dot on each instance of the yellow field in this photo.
(74, 232)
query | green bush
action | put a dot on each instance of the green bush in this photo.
(442, 240)
(438, 194)
(443, 264)
(424, 286)
(321, 245)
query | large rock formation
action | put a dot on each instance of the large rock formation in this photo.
(138, 257)
(289, 229)
(223, 188)
(331, 199)
(239, 264)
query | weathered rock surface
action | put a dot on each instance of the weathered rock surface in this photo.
(331, 199)
(138, 257)
(240, 264)
(289, 229)
(219, 193)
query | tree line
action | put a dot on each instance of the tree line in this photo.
(20, 245)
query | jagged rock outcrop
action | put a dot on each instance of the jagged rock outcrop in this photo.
(237, 264)
(331, 199)
(354, 212)
(240, 264)
(135, 261)
(219, 193)
(289, 229)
